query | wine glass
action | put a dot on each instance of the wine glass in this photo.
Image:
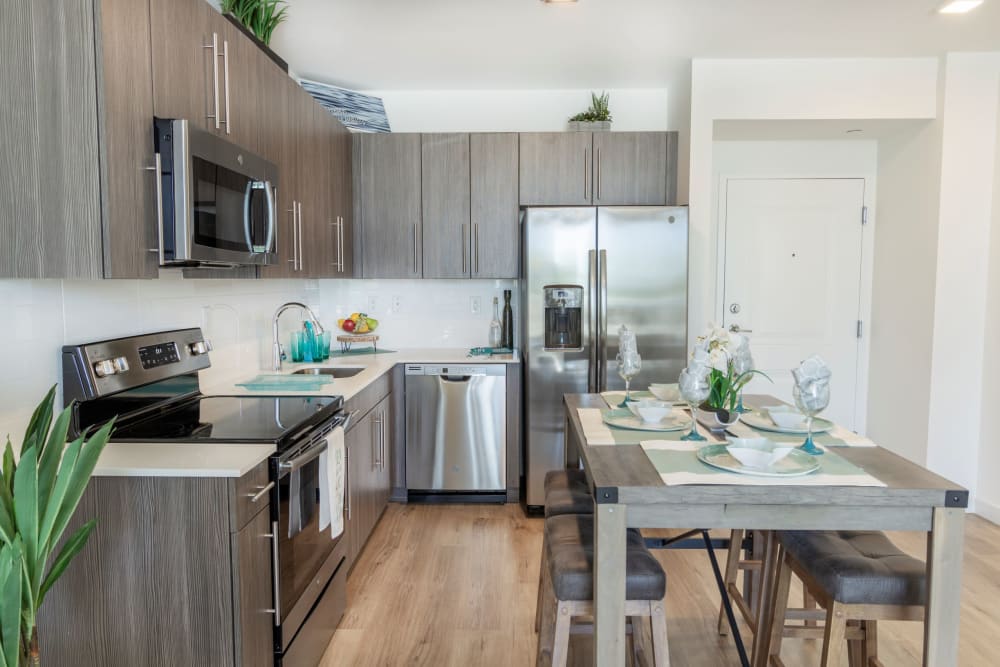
(811, 398)
(694, 388)
(742, 363)
(629, 365)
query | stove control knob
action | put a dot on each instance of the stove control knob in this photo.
(121, 365)
(104, 368)
(200, 347)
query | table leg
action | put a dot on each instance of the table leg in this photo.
(944, 587)
(609, 585)
(765, 599)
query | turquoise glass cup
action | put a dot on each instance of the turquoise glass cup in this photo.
(297, 346)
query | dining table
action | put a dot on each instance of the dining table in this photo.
(629, 491)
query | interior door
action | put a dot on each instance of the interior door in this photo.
(793, 279)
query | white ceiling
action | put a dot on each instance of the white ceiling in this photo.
(490, 44)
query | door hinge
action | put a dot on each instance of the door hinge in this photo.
(860, 327)
(864, 215)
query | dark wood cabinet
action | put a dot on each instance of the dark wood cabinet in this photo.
(253, 591)
(445, 205)
(630, 169)
(555, 169)
(343, 199)
(334, 229)
(495, 239)
(387, 204)
(186, 53)
(242, 72)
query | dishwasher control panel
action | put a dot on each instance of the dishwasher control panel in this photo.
(457, 369)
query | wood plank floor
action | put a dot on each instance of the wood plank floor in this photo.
(455, 585)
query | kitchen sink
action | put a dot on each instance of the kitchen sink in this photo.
(337, 372)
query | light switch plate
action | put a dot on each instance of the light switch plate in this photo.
(373, 304)
(397, 303)
(475, 305)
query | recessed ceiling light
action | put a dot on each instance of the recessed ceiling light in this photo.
(855, 131)
(568, 2)
(959, 6)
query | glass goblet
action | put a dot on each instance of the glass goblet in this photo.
(742, 363)
(629, 365)
(811, 398)
(694, 389)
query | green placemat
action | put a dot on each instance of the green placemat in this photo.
(615, 398)
(741, 430)
(677, 463)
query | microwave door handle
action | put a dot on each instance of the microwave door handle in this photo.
(246, 215)
(271, 216)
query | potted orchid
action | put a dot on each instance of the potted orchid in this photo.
(725, 355)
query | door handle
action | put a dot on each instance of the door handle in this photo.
(592, 317)
(735, 328)
(215, 75)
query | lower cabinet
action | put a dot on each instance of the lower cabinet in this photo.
(254, 592)
(369, 478)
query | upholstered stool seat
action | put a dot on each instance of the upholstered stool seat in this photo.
(567, 492)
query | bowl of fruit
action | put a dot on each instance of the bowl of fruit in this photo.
(358, 323)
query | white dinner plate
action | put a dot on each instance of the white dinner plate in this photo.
(675, 421)
(796, 464)
(764, 423)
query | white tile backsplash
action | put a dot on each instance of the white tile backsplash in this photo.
(40, 316)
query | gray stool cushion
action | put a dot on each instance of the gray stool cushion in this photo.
(569, 549)
(859, 567)
(566, 492)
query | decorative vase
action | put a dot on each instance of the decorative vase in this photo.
(716, 420)
(589, 125)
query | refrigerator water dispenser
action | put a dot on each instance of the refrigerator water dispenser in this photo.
(563, 317)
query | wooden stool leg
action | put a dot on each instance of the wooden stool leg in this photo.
(658, 621)
(732, 571)
(541, 588)
(855, 647)
(546, 632)
(642, 640)
(560, 647)
(834, 635)
(808, 602)
(782, 584)
(870, 651)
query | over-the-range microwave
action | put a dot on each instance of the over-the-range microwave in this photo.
(217, 202)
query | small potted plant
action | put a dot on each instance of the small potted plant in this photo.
(39, 494)
(596, 118)
(257, 19)
(728, 356)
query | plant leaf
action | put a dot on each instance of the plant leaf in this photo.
(72, 547)
(41, 418)
(48, 464)
(63, 479)
(26, 511)
(10, 603)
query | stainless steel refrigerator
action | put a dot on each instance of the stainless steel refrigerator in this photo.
(587, 271)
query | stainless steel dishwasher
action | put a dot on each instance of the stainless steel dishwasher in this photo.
(456, 431)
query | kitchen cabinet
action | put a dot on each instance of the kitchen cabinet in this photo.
(186, 53)
(446, 206)
(278, 144)
(334, 231)
(343, 198)
(241, 70)
(388, 205)
(253, 590)
(630, 169)
(369, 475)
(496, 238)
(555, 169)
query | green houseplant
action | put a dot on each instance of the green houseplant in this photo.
(260, 16)
(597, 117)
(38, 495)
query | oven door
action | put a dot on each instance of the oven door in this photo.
(305, 554)
(219, 201)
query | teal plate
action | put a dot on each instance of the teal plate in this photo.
(762, 422)
(796, 464)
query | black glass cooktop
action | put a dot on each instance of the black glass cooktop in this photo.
(229, 419)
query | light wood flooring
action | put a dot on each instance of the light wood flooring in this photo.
(444, 585)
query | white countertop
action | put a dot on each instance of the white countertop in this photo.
(235, 460)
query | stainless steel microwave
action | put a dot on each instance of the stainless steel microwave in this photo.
(216, 202)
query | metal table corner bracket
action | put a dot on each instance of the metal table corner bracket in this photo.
(606, 495)
(956, 498)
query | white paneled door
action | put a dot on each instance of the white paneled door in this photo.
(793, 279)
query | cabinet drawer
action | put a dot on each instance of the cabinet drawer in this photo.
(244, 490)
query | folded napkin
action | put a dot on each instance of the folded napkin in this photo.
(678, 464)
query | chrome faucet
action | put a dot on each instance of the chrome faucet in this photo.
(278, 354)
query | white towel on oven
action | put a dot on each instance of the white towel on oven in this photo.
(332, 486)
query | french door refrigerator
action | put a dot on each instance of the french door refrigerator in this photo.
(586, 272)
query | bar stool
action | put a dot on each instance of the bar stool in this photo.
(859, 577)
(569, 586)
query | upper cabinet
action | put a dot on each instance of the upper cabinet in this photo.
(447, 230)
(496, 239)
(600, 169)
(186, 54)
(555, 169)
(387, 204)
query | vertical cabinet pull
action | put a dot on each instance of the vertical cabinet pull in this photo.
(463, 244)
(598, 170)
(225, 84)
(347, 481)
(585, 174)
(414, 248)
(295, 236)
(215, 76)
(340, 245)
(275, 573)
(475, 246)
(157, 170)
(300, 253)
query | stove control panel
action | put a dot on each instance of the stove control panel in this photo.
(160, 354)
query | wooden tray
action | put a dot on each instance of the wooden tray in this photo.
(346, 340)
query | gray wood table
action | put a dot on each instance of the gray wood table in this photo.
(628, 493)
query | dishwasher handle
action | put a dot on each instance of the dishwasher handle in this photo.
(456, 378)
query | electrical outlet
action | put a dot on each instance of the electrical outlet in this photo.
(475, 305)
(396, 304)
(373, 304)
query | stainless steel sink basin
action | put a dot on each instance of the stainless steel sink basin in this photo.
(337, 372)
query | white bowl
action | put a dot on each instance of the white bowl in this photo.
(786, 417)
(758, 452)
(650, 411)
(665, 392)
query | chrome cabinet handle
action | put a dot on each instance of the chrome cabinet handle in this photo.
(225, 65)
(336, 239)
(347, 481)
(254, 497)
(376, 442)
(475, 246)
(157, 170)
(585, 174)
(275, 573)
(414, 248)
(598, 170)
(301, 253)
(295, 236)
(340, 244)
(383, 440)
(463, 248)
(215, 75)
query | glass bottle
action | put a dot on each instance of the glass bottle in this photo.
(507, 338)
(496, 333)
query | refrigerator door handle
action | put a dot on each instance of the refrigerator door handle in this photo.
(602, 324)
(592, 376)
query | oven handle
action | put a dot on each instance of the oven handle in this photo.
(314, 452)
(275, 574)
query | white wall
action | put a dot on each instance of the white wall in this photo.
(909, 175)
(971, 106)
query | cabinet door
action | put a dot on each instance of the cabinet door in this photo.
(555, 169)
(444, 190)
(630, 168)
(254, 593)
(495, 231)
(388, 185)
(242, 64)
(185, 55)
(278, 144)
(343, 203)
(50, 210)
(359, 463)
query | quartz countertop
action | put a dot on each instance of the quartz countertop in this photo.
(234, 460)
